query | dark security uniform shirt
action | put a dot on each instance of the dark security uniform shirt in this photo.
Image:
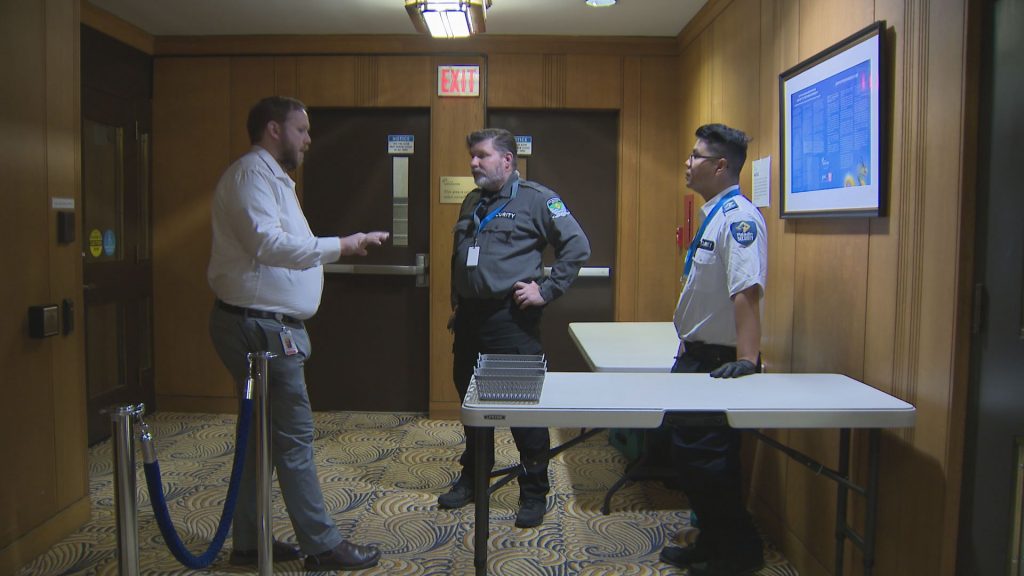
(511, 244)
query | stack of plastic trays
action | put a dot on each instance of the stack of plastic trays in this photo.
(507, 378)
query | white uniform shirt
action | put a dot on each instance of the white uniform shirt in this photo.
(264, 255)
(732, 255)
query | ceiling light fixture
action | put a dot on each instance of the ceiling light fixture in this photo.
(599, 3)
(448, 18)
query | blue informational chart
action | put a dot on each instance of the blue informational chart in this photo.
(831, 136)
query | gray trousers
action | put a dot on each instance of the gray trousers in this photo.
(234, 336)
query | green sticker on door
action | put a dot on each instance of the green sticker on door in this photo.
(95, 243)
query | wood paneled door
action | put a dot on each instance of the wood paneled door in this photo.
(370, 337)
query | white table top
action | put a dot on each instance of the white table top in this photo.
(626, 346)
(640, 400)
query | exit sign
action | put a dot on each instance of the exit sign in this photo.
(458, 80)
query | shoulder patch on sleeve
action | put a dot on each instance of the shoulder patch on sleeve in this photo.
(744, 232)
(730, 206)
(557, 208)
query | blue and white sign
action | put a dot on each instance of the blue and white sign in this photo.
(524, 145)
(109, 242)
(401, 143)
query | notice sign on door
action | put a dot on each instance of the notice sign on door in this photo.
(458, 80)
(401, 143)
(524, 145)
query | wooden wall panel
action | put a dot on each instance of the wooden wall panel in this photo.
(627, 276)
(450, 120)
(735, 74)
(768, 478)
(486, 45)
(63, 173)
(515, 80)
(553, 89)
(251, 80)
(659, 177)
(593, 82)
(404, 81)
(326, 80)
(695, 110)
(191, 148)
(825, 22)
(42, 423)
(939, 366)
(286, 76)
(27, 422)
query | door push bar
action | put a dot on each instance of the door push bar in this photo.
(419, 270)
(587, 272)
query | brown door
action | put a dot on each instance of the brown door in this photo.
(115, 228)
(370, 337)
(576, 155)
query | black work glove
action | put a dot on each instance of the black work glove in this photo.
(734, 369)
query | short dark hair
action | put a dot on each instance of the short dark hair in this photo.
(503, 140)
(270, 109)
(726, 142)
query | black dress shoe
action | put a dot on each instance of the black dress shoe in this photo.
(682, 557)
(531, 513)
(283, 552)
(460, 495)
(344, 556)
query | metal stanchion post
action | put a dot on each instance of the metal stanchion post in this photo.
(259, 378)
(123, 422)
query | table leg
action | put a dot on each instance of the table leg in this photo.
(481, 495)
(842, 493)
(871, 495)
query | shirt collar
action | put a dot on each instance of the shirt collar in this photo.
(270, 161)
(706, 208)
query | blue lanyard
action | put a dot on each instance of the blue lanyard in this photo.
(481, 223)
(700, 231)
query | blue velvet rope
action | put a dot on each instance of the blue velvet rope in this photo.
(163, 517)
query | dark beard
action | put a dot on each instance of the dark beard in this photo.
(289, 160)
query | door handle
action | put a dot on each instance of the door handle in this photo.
(419, 269)
(587, 271)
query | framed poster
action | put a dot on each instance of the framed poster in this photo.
(833, 130)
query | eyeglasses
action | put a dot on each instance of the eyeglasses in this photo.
(695, 156)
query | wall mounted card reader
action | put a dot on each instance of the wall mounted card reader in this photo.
(43, 321)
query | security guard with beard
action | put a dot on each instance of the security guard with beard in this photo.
(499, 291)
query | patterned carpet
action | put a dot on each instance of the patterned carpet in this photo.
(381, 475)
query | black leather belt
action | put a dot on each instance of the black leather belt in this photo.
(716, 353)
(253, 313)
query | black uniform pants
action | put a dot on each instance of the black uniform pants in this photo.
(707, 460)
(499, 327)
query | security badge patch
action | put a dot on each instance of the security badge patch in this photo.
(744, 232)
(557, 208)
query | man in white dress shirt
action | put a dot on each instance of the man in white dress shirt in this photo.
(266, 269)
